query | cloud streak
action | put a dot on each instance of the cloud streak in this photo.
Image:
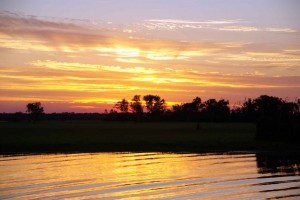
(238, 28)
(218, 25)
(284, 30)
(78, 62)
(30, 33)
(175, 21)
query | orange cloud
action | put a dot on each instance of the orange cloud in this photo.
(75, 64)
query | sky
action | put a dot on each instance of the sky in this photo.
(84, 55)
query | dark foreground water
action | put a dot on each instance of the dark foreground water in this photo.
(149, 176)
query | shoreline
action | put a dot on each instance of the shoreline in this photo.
(230, 152)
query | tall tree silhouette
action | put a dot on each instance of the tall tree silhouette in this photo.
(216, 110)
(249, 110)
(122, 106)
(154, 104)
(188, 111)
(196, 105)
(136, 104)
(35, 110)
(268, 107)
(192, 107)
(276, 119)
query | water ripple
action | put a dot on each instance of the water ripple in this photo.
(146, 175)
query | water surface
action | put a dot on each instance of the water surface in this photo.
(149, 176)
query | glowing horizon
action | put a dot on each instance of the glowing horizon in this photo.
(87, 61)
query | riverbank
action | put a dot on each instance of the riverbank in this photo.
(97, 136)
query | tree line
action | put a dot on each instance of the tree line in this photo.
(262, 108)
(275, 118)
(153, 107)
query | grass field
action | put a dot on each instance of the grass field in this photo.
(90, 136)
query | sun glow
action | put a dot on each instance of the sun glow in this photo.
(128, 54)
(83, 61)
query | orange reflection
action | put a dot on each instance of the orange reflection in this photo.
(125, 175)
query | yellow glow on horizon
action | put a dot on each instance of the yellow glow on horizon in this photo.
(85, 62)
(83, 107)
(121, 51)
(76, 82)
(169, 104)
(97, 100)
(152, 54)
(133, 60)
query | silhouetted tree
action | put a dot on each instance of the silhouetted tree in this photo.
(136, 104)
(249, 110)
(216, 110)
(188, 111)
(35, 110)
(268, 107)
(192, 107)
(177, 108)
(236, 114)
(289, 110)
(112, 111)
(188, 108)
(276, 119)
(122, 106)
(136, 107)
(154, 104)
(196, 105)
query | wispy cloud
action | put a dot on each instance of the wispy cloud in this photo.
(79, 83)
(284, 30)
(253, 29)
(262, 57)
(31, 33)
(91, 67)
(25, 33)
(238, 28)
(34, 34)
(75, 61)
(219, 25)
(164, 76)
(173, 24)
(176, 21)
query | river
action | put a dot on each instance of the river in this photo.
(149, 176)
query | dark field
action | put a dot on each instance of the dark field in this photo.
(91, 136)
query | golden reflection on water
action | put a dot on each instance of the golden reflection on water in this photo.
(137, 176)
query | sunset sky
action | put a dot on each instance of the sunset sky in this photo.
(84, 55)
